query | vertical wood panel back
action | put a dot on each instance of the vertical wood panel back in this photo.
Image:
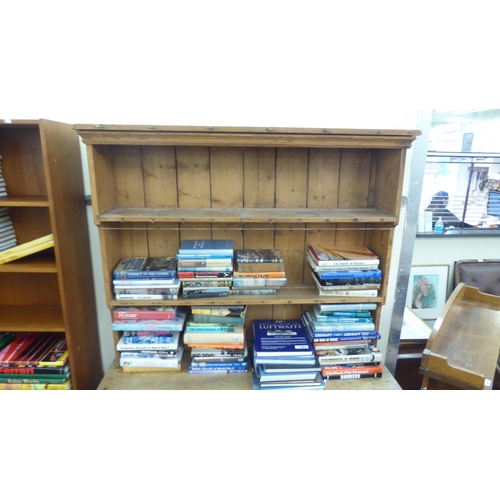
(129, 177)
(259, 177)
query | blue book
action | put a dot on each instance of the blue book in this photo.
(214, 365)
(214, 247)
(330, 275)
(204, 256)
(281, 338)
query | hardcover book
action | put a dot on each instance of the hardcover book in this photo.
(213, 247)
(259, 255)
(359, 306)
(223, 338)
(281, 337)
(25, 249)
(260, 267)
(136, 296)
(140, 313)
(146, 267)
(173, 343)
(171, 325)
(35, 349)
(236, 311)
(342, 255)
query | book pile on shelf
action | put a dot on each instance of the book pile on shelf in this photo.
(345, 271)
(3, 187)
(343, 337)
(216, 336)
(151, 337)
(283, 357)
(34, 361)
(146, 278)
(258, 272)
(205, 268)
(7, 235)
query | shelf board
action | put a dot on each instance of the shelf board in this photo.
(290, 294)
(116, 379)
(267, 215)
(36, 263)
(24, 201)
(34, 318)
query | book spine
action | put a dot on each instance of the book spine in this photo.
(204, 256)
(350, 359)
(355, 275)
(215, 269)
(341, 338)
(219, 311)
(125, 296)
(150, 362)
(199, 295)
(259, 282)
(152, 327)
(144, 283)
(211, 365)
(342, 319)
(203, 371)
(33, 380)
(134, 315)
(204, 274)
(351, 376)
(270, 291)
(216, 337)
(205, 284)
(190, 327)
(156, 339)
(208, 263)
(154, 353)
(348, 293)
(117, 275)
(360, 306)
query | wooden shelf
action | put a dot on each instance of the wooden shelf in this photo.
(30, 318)
(116, 379)
(248, 215)
(24, 201)
(290, 294)
(42, 262)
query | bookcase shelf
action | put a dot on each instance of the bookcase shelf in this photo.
(288, 295)
(32, 318)
(155, 186)
(24, 201)
(51, 291)
(245, 215)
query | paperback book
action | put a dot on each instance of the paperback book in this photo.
(352, 255)
(259, 255)
(146, 267)
(212, 247)
(141, 313)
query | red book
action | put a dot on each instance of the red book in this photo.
(123, 313)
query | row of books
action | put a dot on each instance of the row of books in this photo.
(3, 187)
(34, 361)
(7, 234)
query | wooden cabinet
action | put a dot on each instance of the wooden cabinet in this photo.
(153, 187)
(51, 291)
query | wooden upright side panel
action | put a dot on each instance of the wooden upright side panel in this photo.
(102, 179)
(63, 172)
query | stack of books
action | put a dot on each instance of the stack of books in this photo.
(152, 340)
(3, 187)
(7, 234)
(216, 336)
(345, 271)
(146, 278)
(258, 271)
(343, 337)
(205, 268)
(283, 357)
(34, 361)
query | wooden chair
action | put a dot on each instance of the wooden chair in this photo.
(462, 350)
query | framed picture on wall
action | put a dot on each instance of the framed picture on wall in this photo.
(427, 290)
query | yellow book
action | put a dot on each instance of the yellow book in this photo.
(28, 248)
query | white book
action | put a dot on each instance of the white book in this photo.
(349, 293)
(172, 362)
(132, 296)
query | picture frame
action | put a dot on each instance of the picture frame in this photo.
(427, 290)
